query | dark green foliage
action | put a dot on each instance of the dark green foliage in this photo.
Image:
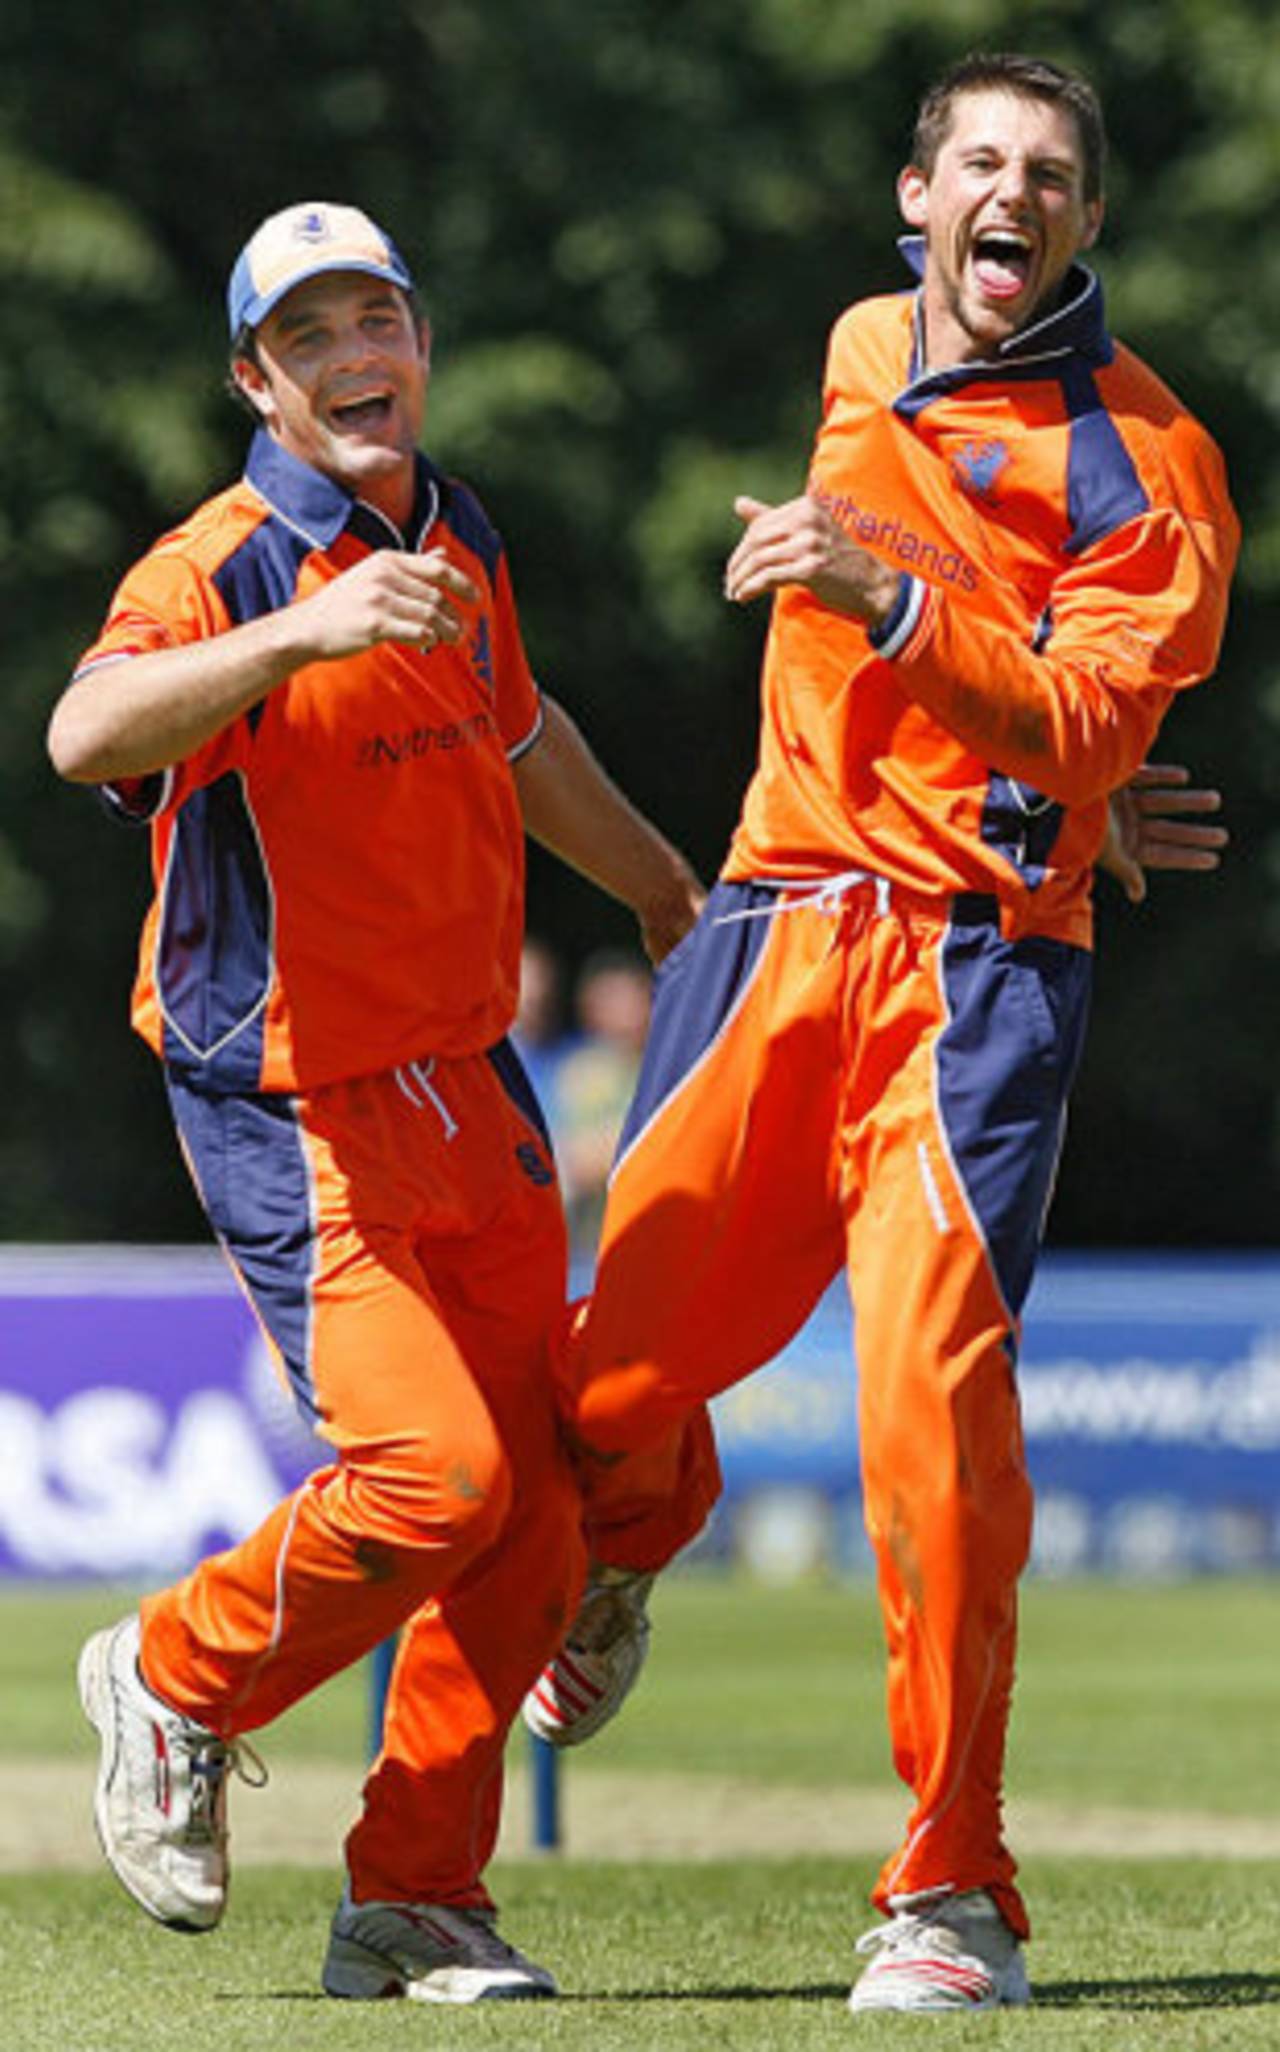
(633, 223)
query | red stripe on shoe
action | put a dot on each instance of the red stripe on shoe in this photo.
(565, 1666)
(971, 1981)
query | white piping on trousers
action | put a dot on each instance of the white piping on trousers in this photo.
(952, 1790)
(421, 1074)
(272, 1646)
(825, 893)
(932, 1194)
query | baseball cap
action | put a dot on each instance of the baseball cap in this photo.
(299, 243)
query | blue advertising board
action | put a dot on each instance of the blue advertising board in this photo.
(1151, 1410)
(142, 1421)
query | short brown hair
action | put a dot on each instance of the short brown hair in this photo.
(1033, 78)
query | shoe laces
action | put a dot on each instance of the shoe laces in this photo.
(610, 1611)
(471, 1932)
(210, 1759)
(905, 1929)
(491, 1947)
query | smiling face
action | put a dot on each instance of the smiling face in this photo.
(1004, 215)
(340, 381)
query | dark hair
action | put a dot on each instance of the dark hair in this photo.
(244, 343)
(1033, 78)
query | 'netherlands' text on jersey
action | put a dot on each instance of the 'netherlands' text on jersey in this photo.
(340, 872)
(1063, 532)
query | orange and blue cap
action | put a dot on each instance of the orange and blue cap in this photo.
(300, 243)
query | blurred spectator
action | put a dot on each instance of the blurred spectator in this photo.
(538, 1034)
(594, 1082)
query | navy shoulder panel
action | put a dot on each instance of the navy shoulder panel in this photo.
(261, 575)
(461, 509)
(1103, 487)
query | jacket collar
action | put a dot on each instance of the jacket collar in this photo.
(1076, 324)
(321, 510)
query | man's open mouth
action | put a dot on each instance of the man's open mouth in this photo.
(362, 415)
(1002, 263)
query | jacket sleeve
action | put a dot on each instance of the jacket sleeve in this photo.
(1136, 618)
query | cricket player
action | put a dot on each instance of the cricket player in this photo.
(1013, 552)
(315, 691)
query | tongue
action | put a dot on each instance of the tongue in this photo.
(1001, 277)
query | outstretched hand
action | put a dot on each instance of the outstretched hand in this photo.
(1154, 823)
(800, 543)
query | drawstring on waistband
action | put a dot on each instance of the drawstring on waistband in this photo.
(419, 1074)
(826, 894)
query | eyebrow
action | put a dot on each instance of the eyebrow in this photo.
(1054, 159)
(375, 299)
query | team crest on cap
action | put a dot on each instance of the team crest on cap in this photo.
(312, 226)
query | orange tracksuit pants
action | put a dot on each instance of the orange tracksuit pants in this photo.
(401, 1237)
(841, 1075)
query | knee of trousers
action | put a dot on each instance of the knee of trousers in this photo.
(419, 1497)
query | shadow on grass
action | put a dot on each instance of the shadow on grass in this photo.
(1175, 1993)
(1178, 1991)
(830, 1991)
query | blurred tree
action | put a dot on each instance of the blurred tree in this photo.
(634, 225)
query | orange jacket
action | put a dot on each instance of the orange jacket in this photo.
(1066, 542)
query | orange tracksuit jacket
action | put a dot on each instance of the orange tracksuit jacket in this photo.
(861, 1056)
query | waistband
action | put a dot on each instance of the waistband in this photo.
(830, 893)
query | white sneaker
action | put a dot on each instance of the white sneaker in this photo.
(599, 1663)
(161, 1799)
(428, 1952)
(943, 1952)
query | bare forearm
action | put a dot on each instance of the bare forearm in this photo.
(574, 808)
(144, 712)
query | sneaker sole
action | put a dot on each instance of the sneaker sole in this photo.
(354, 1973)
(93, 1679)
(883, 1997)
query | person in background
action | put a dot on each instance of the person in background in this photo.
(538, 1034)
(314, 691)
(594, 1082)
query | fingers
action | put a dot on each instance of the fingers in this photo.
(436, 569)
(777, 548)
(1153, 773)
(1182, 855)
(747, 570)
(1156, 804)
(1162, 787)
(421, 599)
(1133, 882)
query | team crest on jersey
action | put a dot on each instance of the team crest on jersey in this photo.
(535, 1165)
(481, 654)
(977, 466)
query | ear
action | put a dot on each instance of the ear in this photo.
(424, 341)
(249, 378)
(1093, 215)
(913, 197)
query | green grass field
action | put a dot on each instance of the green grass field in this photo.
(1147, 1704)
